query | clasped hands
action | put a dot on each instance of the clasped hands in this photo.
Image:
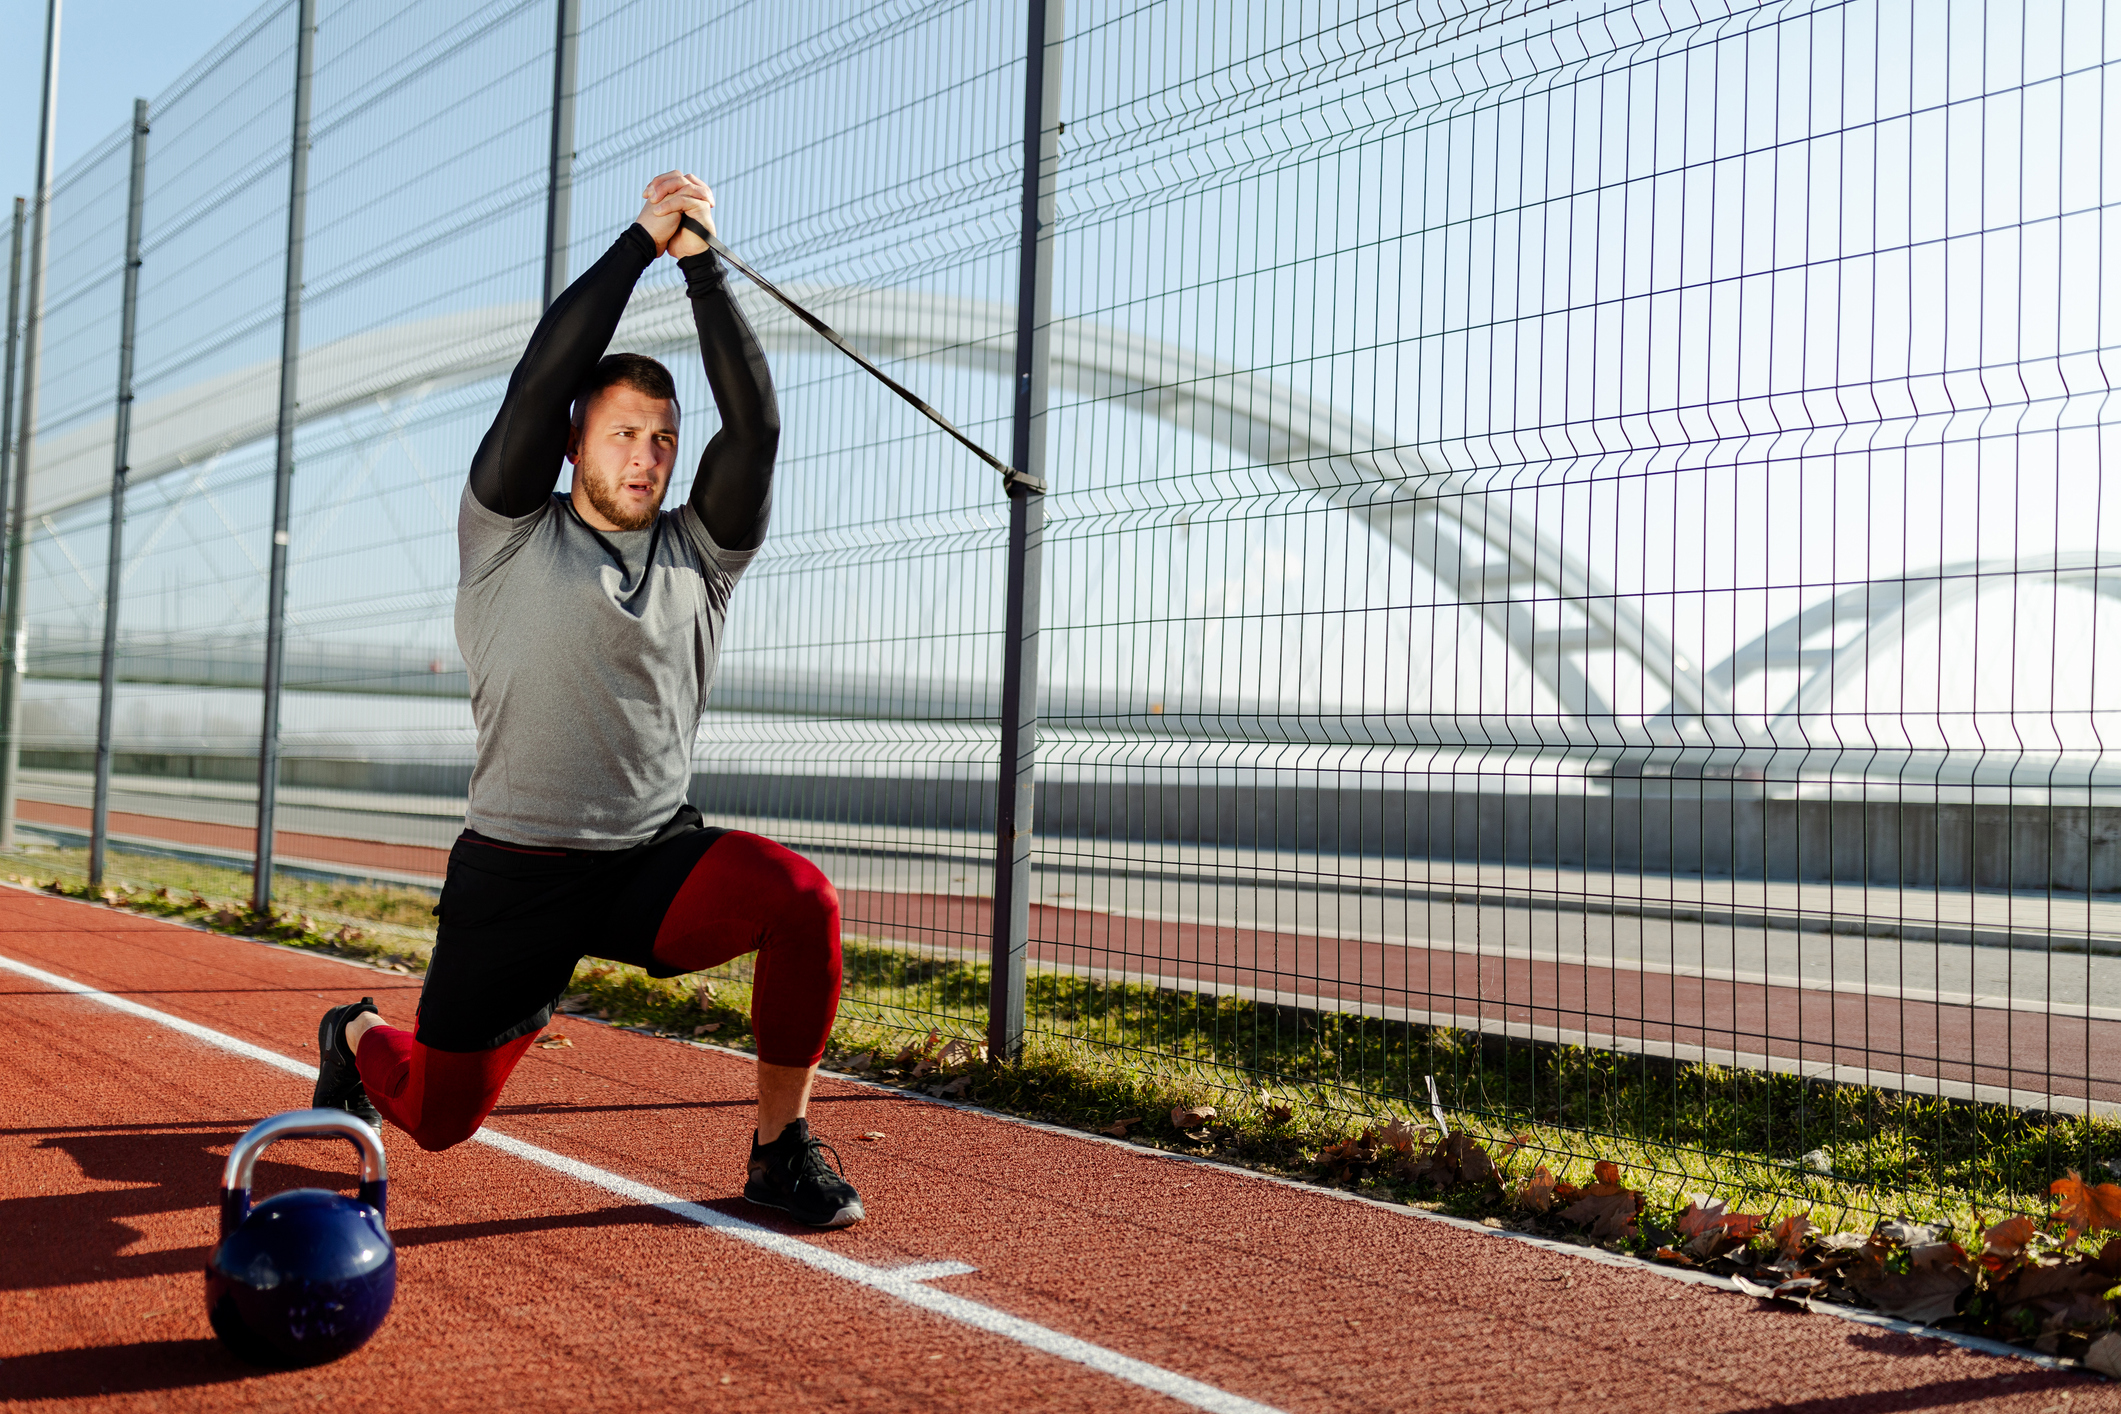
(670, 197)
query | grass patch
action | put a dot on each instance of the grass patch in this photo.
(389, 924)
(1287, 1083)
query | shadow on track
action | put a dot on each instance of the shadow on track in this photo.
(120, 1369)
(76, 1237)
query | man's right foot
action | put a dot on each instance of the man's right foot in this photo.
(338, 1081)
(791, 1174)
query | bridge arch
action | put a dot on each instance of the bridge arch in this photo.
(1475, 546)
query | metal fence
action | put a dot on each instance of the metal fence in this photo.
(1574, 563)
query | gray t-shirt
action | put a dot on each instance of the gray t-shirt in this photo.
(590, 656)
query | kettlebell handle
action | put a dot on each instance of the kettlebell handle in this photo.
(300, 1124)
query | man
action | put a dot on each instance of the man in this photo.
(590, 623)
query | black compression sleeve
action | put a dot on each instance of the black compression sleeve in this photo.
(734, 486)
(518, 463)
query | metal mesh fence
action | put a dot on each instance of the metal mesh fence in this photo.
(1576, 556)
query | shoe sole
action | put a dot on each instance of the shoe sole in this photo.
(847, 1216)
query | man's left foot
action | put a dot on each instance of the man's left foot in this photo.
(338, 1080)
(791, 1174)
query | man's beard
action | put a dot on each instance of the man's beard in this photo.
(603, 495)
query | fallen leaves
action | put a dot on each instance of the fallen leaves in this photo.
(1711, 1230)
(1191, 1116)
(1119, 1127)
(2005, 1242)
(552, 1040)
(1538, 1191)
(2082, 1208)
(1927, 1289)
(1605, 1206)
(870, 1136)
(1790, 1235)
(960, 1053)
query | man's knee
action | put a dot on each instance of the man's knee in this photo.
(806, 895)
(446, 1132)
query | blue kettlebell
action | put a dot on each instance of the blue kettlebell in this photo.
(307, 1275)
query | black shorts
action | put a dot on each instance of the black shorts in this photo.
(516, 919)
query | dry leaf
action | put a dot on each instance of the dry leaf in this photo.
(1280, 1114)
(2006, 1240)
(2083, 1208)
(1798, 1291)
(958, 1053)
(1348, 1160)
(1191, 1116)
(707, 1028)
(861, 1064)
(1538, 1192)
(1928, 1291)
(2055, 1277)
(1119, 1127)
(1401, 1135)
(950, 1089)
(1711, 1230)
(871, 1136)
(1790, 1234)
(2104, 1356)
(1605, 1172)
(552, 1040)
(1609, 1216)
(1472, 1161)
(1909, 1234)
(1701, 1215)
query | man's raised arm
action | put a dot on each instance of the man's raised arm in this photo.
(733, 489)
(734, 486)
(518, 463)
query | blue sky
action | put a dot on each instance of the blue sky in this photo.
(110, 52)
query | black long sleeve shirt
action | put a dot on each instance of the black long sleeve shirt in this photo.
(518, 463)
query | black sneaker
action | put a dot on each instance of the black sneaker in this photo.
(338, 1083)
(791, 1174)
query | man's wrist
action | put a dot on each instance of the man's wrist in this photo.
(637, 239)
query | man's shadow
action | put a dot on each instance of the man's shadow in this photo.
(83, 1237)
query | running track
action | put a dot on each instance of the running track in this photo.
(525, 1288)
(1879, 1038)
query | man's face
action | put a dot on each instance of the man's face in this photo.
(622, 456)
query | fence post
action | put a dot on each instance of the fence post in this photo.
(1044, 30)
(14, 653)
(284, 460)
(7, 393)
(559, 179)
(121, 450)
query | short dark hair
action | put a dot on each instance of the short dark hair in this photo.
(625, 370)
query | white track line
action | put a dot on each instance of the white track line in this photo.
(904, 1283)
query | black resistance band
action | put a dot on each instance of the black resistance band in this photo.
(1011, 477)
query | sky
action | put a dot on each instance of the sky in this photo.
(110, 52)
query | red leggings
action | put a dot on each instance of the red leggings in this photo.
(747, 894)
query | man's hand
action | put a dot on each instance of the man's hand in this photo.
(669, 196)
(700, 209)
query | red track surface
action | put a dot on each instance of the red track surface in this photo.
(521, 1288)
(2059, 1055)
